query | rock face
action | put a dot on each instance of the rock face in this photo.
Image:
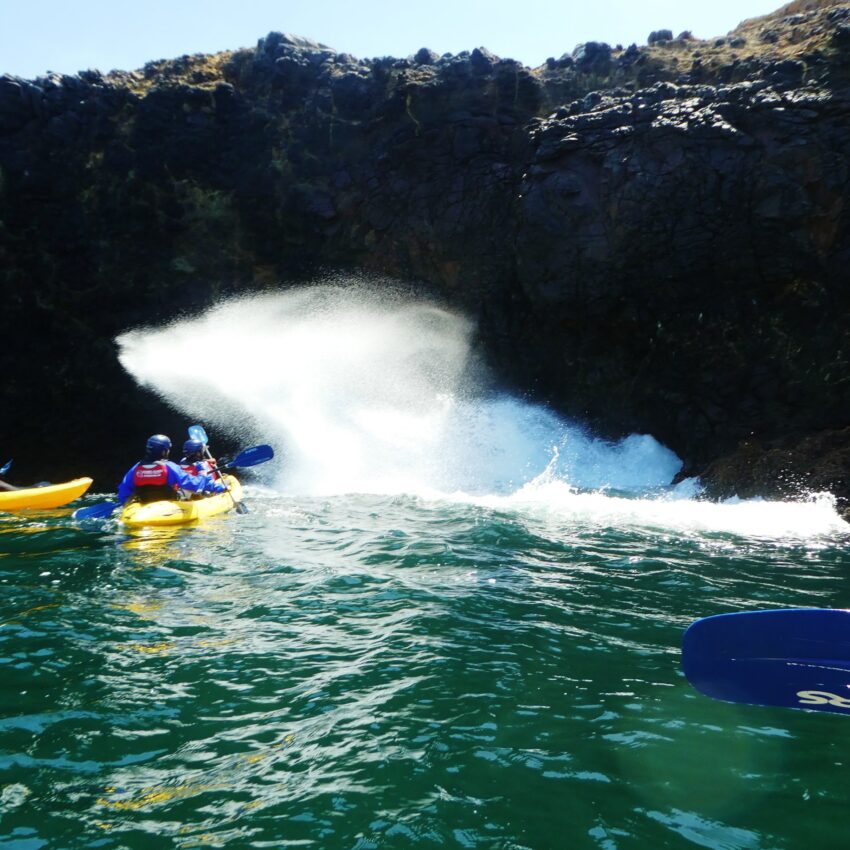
(650, 239)
(729, 305)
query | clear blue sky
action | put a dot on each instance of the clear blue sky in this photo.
(67, 37)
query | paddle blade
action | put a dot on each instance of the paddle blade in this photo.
(241, 507)
(6, 467)
(251, 457)
(196, 432)
(792, 658)
(100, 511)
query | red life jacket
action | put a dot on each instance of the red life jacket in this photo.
(151, 475)
(151, 482)
(201, 467)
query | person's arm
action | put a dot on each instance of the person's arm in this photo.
(192, 483)
(216, 485)
(127, 487)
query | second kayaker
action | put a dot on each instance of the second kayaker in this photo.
(194, 461)
(156, 478)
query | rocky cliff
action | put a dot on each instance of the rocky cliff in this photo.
(650, 238)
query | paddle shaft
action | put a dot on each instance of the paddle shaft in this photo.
(198, 432)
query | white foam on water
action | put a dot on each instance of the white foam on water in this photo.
(673, 511)
(367, 391)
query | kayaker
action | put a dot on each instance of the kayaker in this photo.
(156, 478)
(194, 461)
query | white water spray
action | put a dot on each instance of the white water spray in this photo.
(365, 392)
(372, 394)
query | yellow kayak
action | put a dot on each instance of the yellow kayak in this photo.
(169, 512)
(38, 498)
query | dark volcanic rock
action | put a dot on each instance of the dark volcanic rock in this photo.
(654, 256)
(425, 57)
(593, 57)
(20, 102)
(820, 463)
(786, 74)
(659, 36)
(692, 314)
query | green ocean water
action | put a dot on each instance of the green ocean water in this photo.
(362, 672)
(484, 653)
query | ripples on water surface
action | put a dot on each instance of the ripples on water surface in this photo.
(380, 672)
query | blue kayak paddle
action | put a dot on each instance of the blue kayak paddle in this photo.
(197, 432)
(99, 511)
(248, 457)
(5, 468)
(792, 658)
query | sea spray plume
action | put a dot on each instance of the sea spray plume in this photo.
(372, 391)
(351, 381)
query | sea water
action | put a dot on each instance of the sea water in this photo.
(450, 619)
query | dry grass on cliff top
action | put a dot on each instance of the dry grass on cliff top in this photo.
(791, 32)
(200, 70)
(813, 29)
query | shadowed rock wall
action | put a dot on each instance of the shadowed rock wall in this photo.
(665, 252)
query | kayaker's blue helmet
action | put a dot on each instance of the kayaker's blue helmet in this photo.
(157, 447)
(193, 449)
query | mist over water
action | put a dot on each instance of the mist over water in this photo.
(374, 395)
(363, 391)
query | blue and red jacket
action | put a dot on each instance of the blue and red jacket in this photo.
(200, 467)
(165, 478)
